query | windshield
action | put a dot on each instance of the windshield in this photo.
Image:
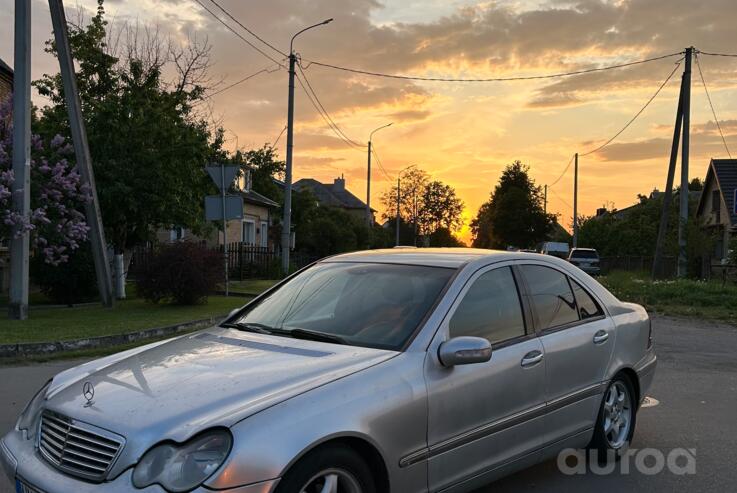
(589, 254)
(364, 304)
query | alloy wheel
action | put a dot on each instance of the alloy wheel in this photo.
(332, 481)
(617, 415)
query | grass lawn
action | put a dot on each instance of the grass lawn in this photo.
(684, 297)
(252, 286)
(55, 324)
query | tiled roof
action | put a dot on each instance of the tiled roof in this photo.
(726, 174)
(330, 195)
(258, 199)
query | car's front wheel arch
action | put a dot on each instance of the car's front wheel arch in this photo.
(364, 448)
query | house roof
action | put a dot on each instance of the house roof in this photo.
(724, 171)
(258, 199)
(331, 194)
(5, 68)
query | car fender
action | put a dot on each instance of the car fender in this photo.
(631, 342)
(385, 406)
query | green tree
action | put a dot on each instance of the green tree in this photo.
(148, 143)
(430, 205)
(514, 214)
(264, 165)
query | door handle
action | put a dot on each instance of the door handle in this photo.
(531, 359)
(601, 337)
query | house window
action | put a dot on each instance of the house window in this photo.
(249, 232)
(264, 233)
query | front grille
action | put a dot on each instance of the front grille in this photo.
(78, 448)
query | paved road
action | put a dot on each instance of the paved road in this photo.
(696, 386)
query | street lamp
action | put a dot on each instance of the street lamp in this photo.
(399, 176)
(368, 177)
(287, 219)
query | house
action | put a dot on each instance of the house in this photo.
(258, 216)
(718, 203)
(335, 195)
(6, 80)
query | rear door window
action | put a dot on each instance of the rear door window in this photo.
(587, 306)
(551, 296)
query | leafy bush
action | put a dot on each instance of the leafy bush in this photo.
(70, 282)
(183, 273)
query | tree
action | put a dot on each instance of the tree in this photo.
(147, 142)
(264, 165)
(430, 205)
(514, 214)
(56, 225)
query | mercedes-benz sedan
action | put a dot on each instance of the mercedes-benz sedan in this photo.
(404, 371)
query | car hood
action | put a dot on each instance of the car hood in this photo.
(216, 377)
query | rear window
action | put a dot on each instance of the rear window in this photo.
(585, 254)
(551, 295)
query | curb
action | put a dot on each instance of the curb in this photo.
(46, 348)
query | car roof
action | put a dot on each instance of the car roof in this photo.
(436, 257)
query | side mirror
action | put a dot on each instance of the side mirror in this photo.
(464, 351)
(232, 312)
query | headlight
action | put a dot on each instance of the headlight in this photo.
(183, 467)
(28, 419)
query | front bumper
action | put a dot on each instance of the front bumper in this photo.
(19, 459)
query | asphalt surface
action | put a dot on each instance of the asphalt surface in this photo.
(696, 390)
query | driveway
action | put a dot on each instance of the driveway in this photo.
(696, 391)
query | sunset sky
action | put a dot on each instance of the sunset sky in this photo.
(461, 133)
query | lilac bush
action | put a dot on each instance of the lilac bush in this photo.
(56, 224)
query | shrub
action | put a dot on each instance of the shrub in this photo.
(183, 273)
(67, 283)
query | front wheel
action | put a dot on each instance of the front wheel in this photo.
(331, 469)
(615, 425)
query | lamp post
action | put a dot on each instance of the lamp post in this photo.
(287, 218)
(399, 177)
(368, 177)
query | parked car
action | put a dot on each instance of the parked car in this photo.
(586, 259)
(401, 370)
(556, 249)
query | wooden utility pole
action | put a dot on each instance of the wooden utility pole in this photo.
(668, 193)
(21, 189)
(82, 151)
(575, 202)
(545, 200)
(683, 209)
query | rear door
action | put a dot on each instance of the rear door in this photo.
(577, 339)
(483, 415)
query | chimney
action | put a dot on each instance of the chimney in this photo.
(339, 183)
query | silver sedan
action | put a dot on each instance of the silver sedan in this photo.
(405, 370)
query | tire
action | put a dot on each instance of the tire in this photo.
(615, 425)
(341, 466)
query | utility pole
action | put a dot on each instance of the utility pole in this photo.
(545, 200)
(21, 189)
(667, 194)
(396, 239)
(82, 152)
(369, 218)
(683, 209)
(575, 202)
(286, 234)
(225, 226)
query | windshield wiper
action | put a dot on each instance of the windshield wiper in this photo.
(313, 335)
(249, 327)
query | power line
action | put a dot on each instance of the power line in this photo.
(276, 141)
(229, 28)
(678, 64)
(325, 112)
(560, 198)
(493, 79)
(563, 173)
(713, 112)
(731, 55)
(241, 81)
(248, 30)
(327, 121)
(381, 166)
